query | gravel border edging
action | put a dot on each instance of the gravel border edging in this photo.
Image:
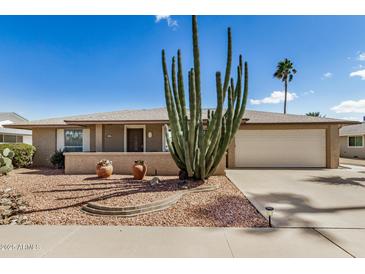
(130, 211)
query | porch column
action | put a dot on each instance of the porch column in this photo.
(333, 146)
(99, 138)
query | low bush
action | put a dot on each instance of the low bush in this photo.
(58, 159)
(23, 154)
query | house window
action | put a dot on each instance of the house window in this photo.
(6, 138)
(9, 138)
(356, 141)
(73, 140)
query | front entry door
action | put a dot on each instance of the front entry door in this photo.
(135, 140)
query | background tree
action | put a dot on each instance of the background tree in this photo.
(198, 140)
(315, 114)
(285, 72)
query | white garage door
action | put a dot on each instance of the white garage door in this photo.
(281, 148)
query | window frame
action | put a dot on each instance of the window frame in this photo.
(65, 147)
(8, 136)
(355, 146)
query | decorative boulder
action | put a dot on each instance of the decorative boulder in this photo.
(154, 181)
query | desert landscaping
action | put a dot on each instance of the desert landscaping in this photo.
(53, 198)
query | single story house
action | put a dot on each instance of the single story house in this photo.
(13, 135)
(264, 139)
(352, 141)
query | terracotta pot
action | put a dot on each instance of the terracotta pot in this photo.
(104, 171)
(139, 171)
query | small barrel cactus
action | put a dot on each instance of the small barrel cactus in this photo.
(6, 165)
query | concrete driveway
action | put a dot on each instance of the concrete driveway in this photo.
(352, 161)
(319, 198)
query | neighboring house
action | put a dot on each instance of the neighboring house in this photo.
(264, 140)
(352, 141)
(11, 135)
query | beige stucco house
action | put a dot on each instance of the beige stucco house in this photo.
(265, 139)
(352, 141)
(13, 135)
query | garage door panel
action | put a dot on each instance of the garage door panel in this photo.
(281, 148)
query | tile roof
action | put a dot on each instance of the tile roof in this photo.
(8, 118)
(353, 130)
(160, 115)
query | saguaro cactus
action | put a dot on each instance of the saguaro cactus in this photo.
(198, 142)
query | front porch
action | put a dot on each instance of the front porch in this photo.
(159, 163)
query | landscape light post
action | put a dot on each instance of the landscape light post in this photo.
(269, 212)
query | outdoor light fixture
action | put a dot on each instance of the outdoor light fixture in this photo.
(150, 134)
(269, 212)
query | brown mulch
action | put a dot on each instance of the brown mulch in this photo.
(54, 198)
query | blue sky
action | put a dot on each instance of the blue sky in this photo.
(62, 65)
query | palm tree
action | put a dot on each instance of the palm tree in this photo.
(315, 114)
(285, 72)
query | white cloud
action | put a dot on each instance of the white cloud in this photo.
(360, 73)
(309, 92)
(327, 75)
(350, 106)
(170, 22)
(359, 66)
(276, 97)
(361, 56)
(352, 118)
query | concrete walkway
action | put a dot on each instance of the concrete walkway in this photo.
(112, 241)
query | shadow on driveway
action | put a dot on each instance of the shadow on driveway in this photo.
(337, 180)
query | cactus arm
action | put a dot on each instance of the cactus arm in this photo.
(202, 147)
(188, 157)
(192, 103)
(172, 150)
(172, 113)
(175, 91)
(235, 125)
(180, 79)
(229, 61)
(197, 67)
(217, 120)
(243, 103)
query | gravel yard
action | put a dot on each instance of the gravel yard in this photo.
(55, 198)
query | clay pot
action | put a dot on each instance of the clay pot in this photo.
(139, 171)
(104, 171)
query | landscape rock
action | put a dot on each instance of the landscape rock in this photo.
(154, 181)
(11, 208)
(183, 184)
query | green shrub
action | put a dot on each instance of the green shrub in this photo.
(58, 159)
(23, 154)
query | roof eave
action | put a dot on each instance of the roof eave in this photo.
(72, 123)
